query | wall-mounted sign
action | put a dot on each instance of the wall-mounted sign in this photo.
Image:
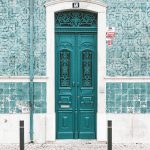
(75, 5)
(110, 34)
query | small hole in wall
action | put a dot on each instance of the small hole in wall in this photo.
(5, 121)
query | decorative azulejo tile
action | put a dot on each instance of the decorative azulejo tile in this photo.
(14, 98)
(129, 55)
(14, 38)
(128, 97)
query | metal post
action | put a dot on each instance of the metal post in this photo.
(109, 136)
(21, 135)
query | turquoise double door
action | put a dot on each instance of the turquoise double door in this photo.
(76, 85)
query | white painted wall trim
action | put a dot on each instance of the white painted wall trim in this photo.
(89, 5)
(9, 128)
(23, 79)
(53, 2)
(127, 79)
(126, 128)
(107, 79)
(130, 128)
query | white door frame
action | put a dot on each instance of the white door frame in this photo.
(96, 6)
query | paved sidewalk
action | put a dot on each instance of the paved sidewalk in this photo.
(76, 145)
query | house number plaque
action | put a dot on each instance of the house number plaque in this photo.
(75, 5)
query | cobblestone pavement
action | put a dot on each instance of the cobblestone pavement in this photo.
(78, 145)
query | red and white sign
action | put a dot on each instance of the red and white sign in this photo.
(110, 34)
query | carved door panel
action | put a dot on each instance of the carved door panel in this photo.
(76, 85)
(87, 77)
(65, 84)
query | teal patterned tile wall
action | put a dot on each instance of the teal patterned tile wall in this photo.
(14, 98)
(130, 53)
(40, 97)
(128, 97)
(14, 38)
(40, 37)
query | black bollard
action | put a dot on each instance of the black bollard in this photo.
(21, 135)
(109, 136)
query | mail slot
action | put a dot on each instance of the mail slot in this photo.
(65, 106)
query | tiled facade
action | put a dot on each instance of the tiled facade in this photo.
(14, 55)
(14, 38)
(39, 38)
(128, 97)
(128, 56)
(130, 53)
(14, 98)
